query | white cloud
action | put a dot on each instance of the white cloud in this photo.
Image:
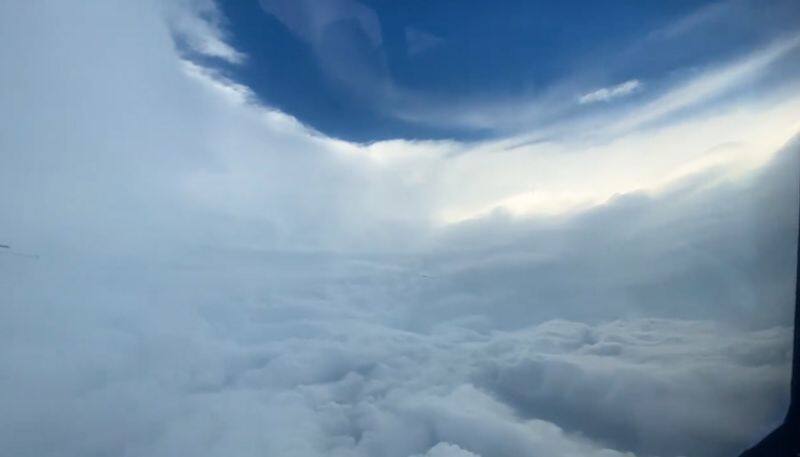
(610, 93)
(197, 24)
(443, 449)
(584, 390)
(239, 285)
(709, 84)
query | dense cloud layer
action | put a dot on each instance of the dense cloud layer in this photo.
(215, 280)
(159, 369)
(707, 247)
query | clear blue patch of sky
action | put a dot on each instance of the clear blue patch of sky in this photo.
(432, 53)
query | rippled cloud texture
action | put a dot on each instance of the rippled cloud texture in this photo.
(214, 279)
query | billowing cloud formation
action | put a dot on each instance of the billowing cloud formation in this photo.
(216, 280)
(201, 369)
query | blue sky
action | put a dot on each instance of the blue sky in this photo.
(375, 70)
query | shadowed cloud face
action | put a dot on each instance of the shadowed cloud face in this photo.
(216, 279)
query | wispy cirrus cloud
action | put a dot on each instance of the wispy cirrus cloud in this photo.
(610, 93)
(419, 41)
(197, 25)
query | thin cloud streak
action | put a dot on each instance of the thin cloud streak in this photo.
(610, 93)
(197, 24)
(714, 83)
